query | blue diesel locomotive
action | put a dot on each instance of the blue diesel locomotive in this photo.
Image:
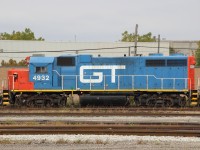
(83, 79)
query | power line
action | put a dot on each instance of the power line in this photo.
(95, 49)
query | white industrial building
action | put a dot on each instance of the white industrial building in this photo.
(184, 47)
(18, 50)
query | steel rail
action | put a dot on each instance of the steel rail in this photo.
(16, 108)
(98, 114)
(156, 130)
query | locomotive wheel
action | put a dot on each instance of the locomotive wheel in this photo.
(151, 101)
(31, 103)
(17, 101)
(182, 102)
(168, 103)
(48, 103)
(63, 103)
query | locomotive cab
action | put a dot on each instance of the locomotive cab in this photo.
(40, 71)
(56, 73)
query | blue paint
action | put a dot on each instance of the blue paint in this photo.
(64, 77)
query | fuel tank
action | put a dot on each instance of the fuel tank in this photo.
(100, 100)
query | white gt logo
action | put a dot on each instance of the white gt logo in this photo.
(99, 74)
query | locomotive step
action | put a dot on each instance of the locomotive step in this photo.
(193, 104)
(6, 103)
(5, 93)
(194, 93)
(194, 99)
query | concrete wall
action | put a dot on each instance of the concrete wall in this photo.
(185, 47)
(197, 75)
(3, 77)
(107, 49)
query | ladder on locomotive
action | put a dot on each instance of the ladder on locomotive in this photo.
(195, 94)
(194, 98)
(5, 98)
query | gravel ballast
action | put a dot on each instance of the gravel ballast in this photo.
(94, 138)
(106, 119)
(61, 142)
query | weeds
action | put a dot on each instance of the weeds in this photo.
(62, 141)
(140, 142)
(5, 141)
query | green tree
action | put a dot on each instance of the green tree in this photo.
(130, 37)
(197, 54)
(126, 37)
(13, 63)
(27, 34)
(3, 63)
(22, 63)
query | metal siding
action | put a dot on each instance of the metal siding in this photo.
(132, 66)
(41, 60)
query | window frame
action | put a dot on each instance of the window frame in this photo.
(155, 63)
(41, 69)
(177, 63)
(71, 62)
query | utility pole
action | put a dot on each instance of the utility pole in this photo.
(158, 43)
(129, 51)
(136, 37)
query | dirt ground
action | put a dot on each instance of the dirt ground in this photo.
(140, 145)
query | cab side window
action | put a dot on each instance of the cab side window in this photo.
(41, 70)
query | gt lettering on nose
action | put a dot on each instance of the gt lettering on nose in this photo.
(98, 74)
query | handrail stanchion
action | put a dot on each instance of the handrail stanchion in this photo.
(118, 83)
(190, 88)
(90, 83)
(76, 82)
(185, 83)
(132, 81)
(62, 81)
(104, 78)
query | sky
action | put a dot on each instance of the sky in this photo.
(101, 20)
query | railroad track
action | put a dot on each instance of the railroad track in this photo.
(15, 108)
(116, 111)
(137, 129)
(36, 125)
(99, 114)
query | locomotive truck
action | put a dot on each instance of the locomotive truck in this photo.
(83, 79)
